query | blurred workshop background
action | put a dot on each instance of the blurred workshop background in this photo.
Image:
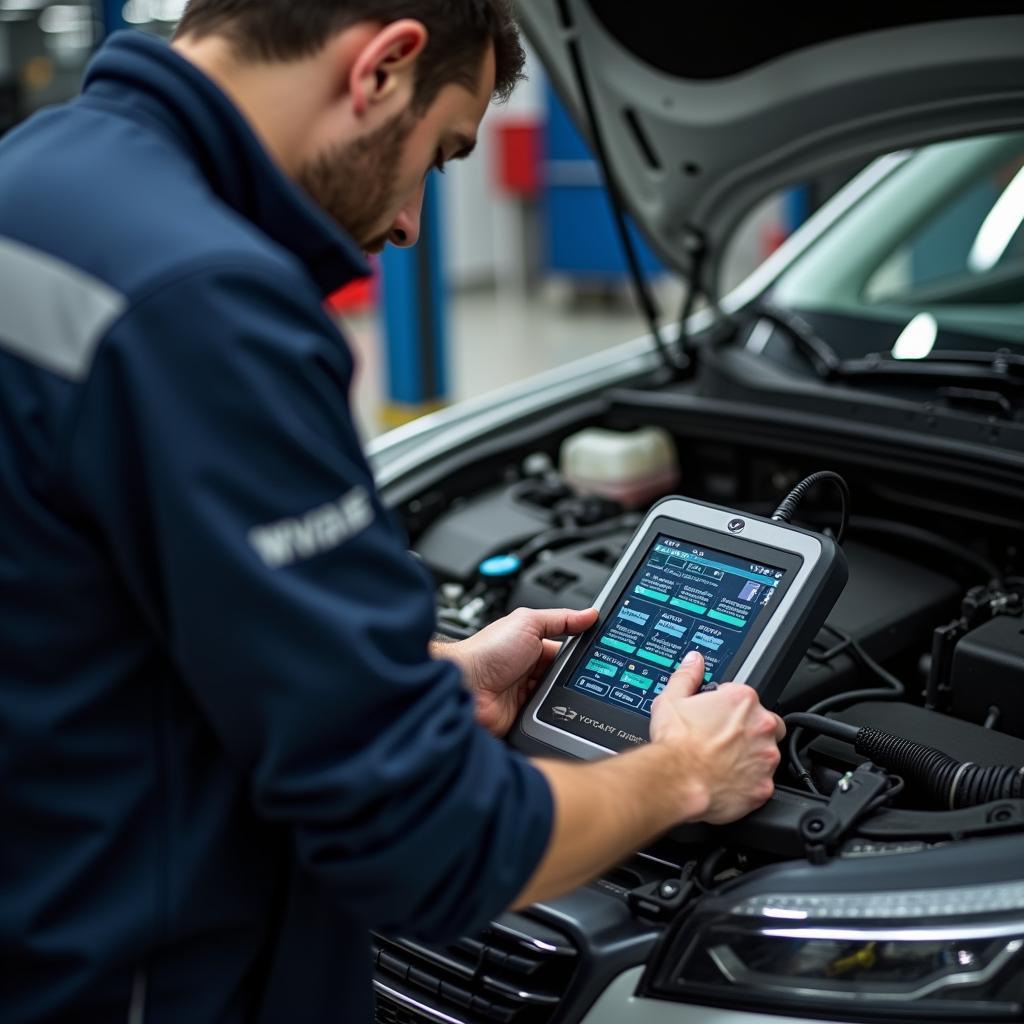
(519, 269)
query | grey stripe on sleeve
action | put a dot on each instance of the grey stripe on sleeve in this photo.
(51, 313)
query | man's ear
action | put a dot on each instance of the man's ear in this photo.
(385, 63)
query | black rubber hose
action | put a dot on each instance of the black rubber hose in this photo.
(953, 784)
(950, 783)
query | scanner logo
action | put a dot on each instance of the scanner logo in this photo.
(564, 713)
(737, 526)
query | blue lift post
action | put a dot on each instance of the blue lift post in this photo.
(415, 321)
(798, 207)
(112, 15)
(581, 240)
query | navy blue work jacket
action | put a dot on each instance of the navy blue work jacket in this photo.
(225, 755)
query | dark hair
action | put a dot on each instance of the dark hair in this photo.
(459, 30)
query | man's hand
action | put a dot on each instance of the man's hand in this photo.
(711, 758)
(503, 663)
(726, 740)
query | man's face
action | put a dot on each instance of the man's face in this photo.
(373, 186)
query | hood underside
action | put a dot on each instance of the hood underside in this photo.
(704, 113)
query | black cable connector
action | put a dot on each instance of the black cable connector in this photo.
(950, 783)
(787, 508)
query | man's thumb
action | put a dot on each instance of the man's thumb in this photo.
(688, 679)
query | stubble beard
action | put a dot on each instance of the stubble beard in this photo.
(355, 182)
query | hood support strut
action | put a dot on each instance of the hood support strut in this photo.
(678, 367)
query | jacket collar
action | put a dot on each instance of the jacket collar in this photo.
(154, 80)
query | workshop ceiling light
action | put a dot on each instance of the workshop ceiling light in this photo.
(1001, 224)
(145, 12)
(918, 338)
(66, 18)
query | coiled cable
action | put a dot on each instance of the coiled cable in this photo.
(788, 506)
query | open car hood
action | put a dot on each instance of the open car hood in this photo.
(703, 112)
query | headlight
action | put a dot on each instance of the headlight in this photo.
(935, 954)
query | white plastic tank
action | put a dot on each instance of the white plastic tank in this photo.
(633, 467)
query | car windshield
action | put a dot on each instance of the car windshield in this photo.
(931, 259)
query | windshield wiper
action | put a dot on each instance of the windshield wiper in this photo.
(985, 403)
(819, 353)
(966, 380)
(957, 374)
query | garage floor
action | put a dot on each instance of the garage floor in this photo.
(497, 338)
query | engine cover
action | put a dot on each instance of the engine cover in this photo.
(988, 672)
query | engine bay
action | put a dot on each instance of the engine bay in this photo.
(925, 644)
(926, 641)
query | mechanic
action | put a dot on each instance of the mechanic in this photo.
(227, 747)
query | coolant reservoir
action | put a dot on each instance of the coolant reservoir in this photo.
(632, 467)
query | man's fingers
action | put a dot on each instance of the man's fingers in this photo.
(576, 622)
(547, 658)
(780, 729)
(549, 653)
(688, 679)
(557, 622)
